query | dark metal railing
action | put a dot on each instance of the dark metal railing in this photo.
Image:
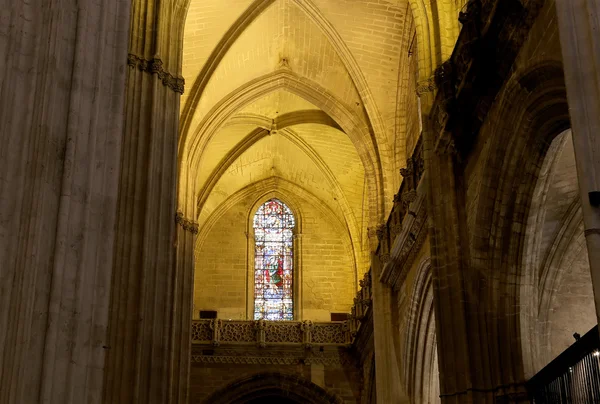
(573, 377)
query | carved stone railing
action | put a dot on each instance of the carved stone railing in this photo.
(266, 333)
(362, 305)
(388, 232)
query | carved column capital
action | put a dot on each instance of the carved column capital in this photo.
(186, 224)
(155, 66)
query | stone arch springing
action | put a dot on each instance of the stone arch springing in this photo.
(532, 111)
(287, 386)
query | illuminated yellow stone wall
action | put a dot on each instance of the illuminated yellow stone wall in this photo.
(326, 264)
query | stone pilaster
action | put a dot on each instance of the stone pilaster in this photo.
(448, 259)
(389, 385)
(579, 27)
(61, 116)
(149, 324)
(187, 231)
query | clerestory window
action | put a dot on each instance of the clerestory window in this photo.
(273, 261)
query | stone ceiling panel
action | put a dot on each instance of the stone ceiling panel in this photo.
(206, 23)
(278, 103)
(375, 33)
(272, 156)
(218, 147)
(340, 156)
(282, 31)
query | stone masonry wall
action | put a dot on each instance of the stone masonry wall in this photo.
(328, 275)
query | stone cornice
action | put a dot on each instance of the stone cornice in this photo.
(407, 245)
(186, 224)
(267, 360)
(155, 66)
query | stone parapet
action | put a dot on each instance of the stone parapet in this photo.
(264, 333)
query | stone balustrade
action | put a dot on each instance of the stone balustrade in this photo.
(264, 333)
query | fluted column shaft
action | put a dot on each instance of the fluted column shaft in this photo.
(145, 356)
(579, 28)
(61, 115)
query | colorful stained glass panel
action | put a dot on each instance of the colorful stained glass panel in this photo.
(273, 261)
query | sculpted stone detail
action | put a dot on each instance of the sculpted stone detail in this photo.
(155, 66)
(291, 356)
(215, 326)
(409, 197)
(411, 241)
(263, 333)
(307, 327)
(426, 86)
(380, 231)
(187, 224)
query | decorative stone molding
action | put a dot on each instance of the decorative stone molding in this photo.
(285, 355)
(589, 232)
(407, 245)
(306, 328)
(426, 86)
(187, 224)
(409, 197)
(380, 231)
(155, 66)
(261, 326)
(266, 333)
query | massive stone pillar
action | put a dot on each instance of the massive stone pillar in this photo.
(61, 115)
(579, 27)
(465, 369)
(147, 354)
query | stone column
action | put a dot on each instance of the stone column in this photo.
(455, 314)
(147, 358)
(579, 28)
(388, 383)
(187, 230)
(61, 115)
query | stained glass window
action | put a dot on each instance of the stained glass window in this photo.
(273, 261)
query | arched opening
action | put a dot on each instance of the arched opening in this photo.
(421, 365)
(273, 388)
(527, 215)
(555, 256)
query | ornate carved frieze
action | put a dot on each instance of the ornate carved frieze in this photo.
(291, 355)
(155, 66)
(264, 333)
(187, 224)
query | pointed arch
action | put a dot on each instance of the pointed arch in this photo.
(359, 134)
(240, 25)
(261, 385)
(421, 366)
(532, 111)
